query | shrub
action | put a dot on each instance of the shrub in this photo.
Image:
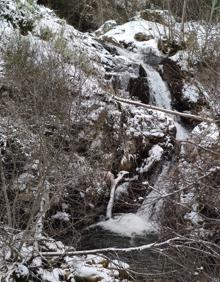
(40, 80)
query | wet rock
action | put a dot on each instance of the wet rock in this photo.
(185, 96)
(106, 27)
(138, 87)
(111, 49)
(174, 76)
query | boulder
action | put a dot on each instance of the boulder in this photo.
(140, 36)
(185, 95)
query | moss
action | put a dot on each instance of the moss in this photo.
(46, 34)
(153, 16)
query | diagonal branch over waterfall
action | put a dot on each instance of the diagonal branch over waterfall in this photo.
(152, 107)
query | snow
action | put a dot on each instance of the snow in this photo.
(126, 32)
(206, 134)
(53, 276)
(92, 267)
(187, 198)
(155, 155)
(62, 216)
(21, 271)
(119, 264)
(193, 215)
(191, 93)
(128, 225)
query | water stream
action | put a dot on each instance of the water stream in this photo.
(110, 233)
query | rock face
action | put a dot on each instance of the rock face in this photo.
(177, 79)
(138, 87)
(174, 77)
(142, 37)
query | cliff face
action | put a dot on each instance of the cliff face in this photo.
(80, 168)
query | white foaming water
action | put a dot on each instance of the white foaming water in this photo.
(158, 88)
(152, 205)
(161, 97)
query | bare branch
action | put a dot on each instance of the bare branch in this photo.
(151, 107)
(108, 250)
(199, 146)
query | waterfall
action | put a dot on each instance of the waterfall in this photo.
(159, 92)
(161, 97)
(152, 204)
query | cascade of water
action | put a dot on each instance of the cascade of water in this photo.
(159, 92)
(161, 97)
(153, 202)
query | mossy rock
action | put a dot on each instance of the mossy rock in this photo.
(153, 16)
(140, 36)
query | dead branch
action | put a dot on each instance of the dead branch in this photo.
(114, 185)
(150, 246)
(199, 146)
(151, 107)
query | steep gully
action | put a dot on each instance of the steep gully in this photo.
(122, 230)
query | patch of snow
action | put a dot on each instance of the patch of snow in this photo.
(191, 93)
(119, 264)
(62, 216)
(53, 276)
(126, 33)
(207, 134)
(91, 267)
(187, 198)
(155, 155)
(21, 271)
(194, 217)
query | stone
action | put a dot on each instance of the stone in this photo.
(140, 36)
(138, 86)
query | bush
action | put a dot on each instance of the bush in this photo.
(22, 16)
(40, 80)
(90, 14)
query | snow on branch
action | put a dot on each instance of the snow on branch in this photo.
(151, 107)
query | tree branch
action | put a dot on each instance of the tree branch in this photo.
(114, 185)
(108, 250)
(151, 107)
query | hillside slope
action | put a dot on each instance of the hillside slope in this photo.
(83, 167)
